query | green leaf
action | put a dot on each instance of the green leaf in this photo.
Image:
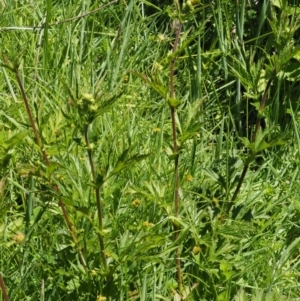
(283, 5)
(173, 156)
(124, 164)
(105, 105)
(51, 167)
(12, 66)
(292, 71)
(245, 141)
(17, 138)
(226, 269)
(288, 253)
(174, 103)
(73, 284)
(287, 54)
(160, 89)
(262, 82)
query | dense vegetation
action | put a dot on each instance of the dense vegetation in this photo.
(149, 150)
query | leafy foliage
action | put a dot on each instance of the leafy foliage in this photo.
(96, 219)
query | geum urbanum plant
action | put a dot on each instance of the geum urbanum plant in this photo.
(13, 66)
(82, 113)
(179, 133)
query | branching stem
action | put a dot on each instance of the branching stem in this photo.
(47, 162)
(257, 126)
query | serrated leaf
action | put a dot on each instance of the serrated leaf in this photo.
(245, 141)
(19, 137)
(239, 69)
(262, 145)
(189, 133)
(287, 54)
(213, 175)
(290, 10)
(124, 155)
(51, 167)
(124, 164)
(262, 82)
(288, 252)
(252, 95)
(182, 235)
(292, 71)
(297, 56)
(8, 64)
(160, 89)
(226, 269)
(173, 156)
(104, 106)
(174, 103)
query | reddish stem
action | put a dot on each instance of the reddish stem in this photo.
(176, 163)
(46, 159)
(3, 289)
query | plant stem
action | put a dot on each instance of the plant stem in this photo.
(261, 108)
(257, 126)
(35, 131)
(98, 197)
(3, 289)
(175, 150)
(240, 14)
(46, 159)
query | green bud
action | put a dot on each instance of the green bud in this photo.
(88, 97)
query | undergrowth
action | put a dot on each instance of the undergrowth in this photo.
(149, 150)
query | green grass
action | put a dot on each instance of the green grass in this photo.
(151, 169)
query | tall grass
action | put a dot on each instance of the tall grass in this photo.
(149, 150)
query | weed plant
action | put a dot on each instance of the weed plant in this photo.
(149, 150)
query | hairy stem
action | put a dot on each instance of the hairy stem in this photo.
(175, 151)
(46, 159)
(35, 131)
(98, 197)
(257, 126)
